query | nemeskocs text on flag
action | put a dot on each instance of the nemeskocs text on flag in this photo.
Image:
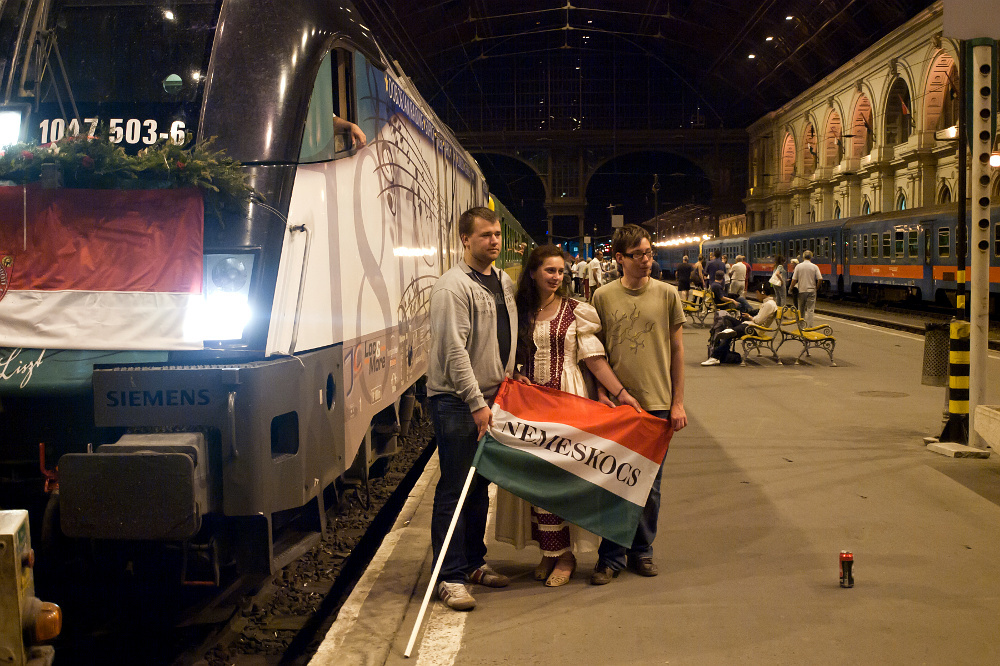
(591, 464)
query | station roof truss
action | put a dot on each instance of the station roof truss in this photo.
(528, 65)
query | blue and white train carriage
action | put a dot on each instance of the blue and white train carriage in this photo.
(215, 413)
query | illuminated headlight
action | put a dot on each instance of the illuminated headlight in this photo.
(10, 126)
(223, 309)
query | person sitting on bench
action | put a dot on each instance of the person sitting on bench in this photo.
(737, 329)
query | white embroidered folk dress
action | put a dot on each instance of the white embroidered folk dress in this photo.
(561, 343)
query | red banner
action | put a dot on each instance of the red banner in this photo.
(102, 240)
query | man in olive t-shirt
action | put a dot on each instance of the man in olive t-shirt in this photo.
(642, 330)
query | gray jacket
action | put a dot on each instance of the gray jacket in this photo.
(465, 353)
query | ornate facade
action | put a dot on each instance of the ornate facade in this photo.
(862, 140)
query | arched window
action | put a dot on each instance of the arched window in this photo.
(787, 159)
(862, 129)
(901, 201)
(944, 196)
(866, 207)
(941, 94)
(836, 211)
(833, 141)
(898, 114)
(809, 149)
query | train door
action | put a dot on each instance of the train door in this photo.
(926, 245)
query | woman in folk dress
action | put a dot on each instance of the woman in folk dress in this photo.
(555, 335)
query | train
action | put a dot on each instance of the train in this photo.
(202, 383)
(894, 256)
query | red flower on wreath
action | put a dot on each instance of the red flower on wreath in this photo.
(181, 165)
(87, 161)
(27, 154)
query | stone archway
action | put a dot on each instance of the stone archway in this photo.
(862, 130)
(833, 142)
(787, 159)
(941, 94)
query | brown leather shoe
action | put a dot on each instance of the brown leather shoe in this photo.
(644, 566)
(602, 575)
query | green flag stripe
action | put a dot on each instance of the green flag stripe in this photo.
(547, 486)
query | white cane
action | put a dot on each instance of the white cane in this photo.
(440, 561)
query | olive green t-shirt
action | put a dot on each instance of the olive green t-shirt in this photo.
(635, 330)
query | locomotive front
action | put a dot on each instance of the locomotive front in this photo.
(167, 356)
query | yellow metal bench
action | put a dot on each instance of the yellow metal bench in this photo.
(792, 327)
(762, 337)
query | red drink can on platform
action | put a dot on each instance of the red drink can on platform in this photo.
(846, 568)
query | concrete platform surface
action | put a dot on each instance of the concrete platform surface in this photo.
(781, 468)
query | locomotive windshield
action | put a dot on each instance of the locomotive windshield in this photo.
(135, 68)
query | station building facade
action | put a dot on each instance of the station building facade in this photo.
(862, 140)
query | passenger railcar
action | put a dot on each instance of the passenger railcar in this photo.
(216, 416)
(885, 256)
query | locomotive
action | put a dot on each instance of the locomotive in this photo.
(201, 381)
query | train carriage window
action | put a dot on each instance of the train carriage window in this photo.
(854, 246)
(864, 245)
(812, 245)
(996, 241)
(899, 244)
(826, 246)
(886, 246)
(332, 96)
(874, 244)
(944, 242)
(912, 249)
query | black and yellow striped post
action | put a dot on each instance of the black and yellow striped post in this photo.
(956, 428)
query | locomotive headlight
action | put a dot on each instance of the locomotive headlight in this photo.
(10, 126)
(223, 309)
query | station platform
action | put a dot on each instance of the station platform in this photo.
(780, 469)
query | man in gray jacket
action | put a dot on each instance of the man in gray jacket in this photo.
(473, 339)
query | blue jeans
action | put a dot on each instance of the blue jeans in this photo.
(615, 555)
(455, 432)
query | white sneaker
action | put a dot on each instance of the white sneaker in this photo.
(728, 330)
(456, 596)
(711, 361)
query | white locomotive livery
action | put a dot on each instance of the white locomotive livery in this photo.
(299, 331)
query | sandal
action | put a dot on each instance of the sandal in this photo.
(561, 574)
(545, 567)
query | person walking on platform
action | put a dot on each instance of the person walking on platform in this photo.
(738, 277)
(806, 278)
(555, 335)
(683, 275)
(714, 266)
(473, 329)
(642, 330)
(595, 274)
(779, 281)
(698, 275)
(580, 275)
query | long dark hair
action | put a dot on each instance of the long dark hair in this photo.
(528, 301)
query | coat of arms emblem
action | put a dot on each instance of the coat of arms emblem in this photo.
(6, 266)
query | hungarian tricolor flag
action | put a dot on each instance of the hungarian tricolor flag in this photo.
(99, 269)
(588, 463)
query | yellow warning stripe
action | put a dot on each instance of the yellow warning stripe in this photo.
(958, 382)
(960, 302)
(958, 406)
(959, 357)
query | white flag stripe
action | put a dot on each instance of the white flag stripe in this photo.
(95, 320)
(625, 459)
